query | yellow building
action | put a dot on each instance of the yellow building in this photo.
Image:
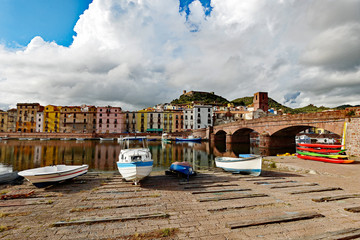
(3, 121)
(51, 118)
(141, 120)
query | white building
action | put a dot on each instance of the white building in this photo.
(200, 116)
(39, 121)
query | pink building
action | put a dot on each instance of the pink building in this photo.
(110, 120)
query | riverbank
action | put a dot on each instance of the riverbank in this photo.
(288, 201)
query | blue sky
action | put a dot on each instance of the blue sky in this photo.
(53, 20)
(138, 53)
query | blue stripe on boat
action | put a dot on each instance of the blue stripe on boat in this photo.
(241, 170)
(135, 164)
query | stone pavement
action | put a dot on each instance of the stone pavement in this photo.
(286, 202)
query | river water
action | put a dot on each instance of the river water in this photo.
(102, 156)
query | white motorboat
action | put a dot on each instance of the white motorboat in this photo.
(134, 163)
(46, 176)
(244, 164)
(106, 139)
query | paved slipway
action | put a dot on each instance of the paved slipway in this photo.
(297, 199)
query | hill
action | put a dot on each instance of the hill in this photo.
(211, 98)
(200, 97)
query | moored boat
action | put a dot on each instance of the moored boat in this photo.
(188, 139)
(46, 176)
(165, 138)
(244, 164)
(106, 139)
(134, 164)
(182, 168)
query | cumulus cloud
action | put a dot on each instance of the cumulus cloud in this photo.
(137, 53)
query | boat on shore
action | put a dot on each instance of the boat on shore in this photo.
(188, 139)
(334, 156)
(50, 175)
(324, 159)
(321, 150)
(319, 145)
(183, 169)
(249, 164)
(134, 164)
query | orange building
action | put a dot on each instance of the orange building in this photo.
(26, 117)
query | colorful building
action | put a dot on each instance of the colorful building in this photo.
(26, 117)
(78, 119)
(51, 118)
(110, 120)
(130, 122)
(3, 121)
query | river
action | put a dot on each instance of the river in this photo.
(102, 156)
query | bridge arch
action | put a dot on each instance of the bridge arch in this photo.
(241, 135)
(220, 135)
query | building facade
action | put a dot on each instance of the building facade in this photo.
(26, 117)
(261, 101)
(51, 119)
(11, 122)
(3, 121)
(78, 119)
(109, 120)
(40, 121)
(202, 116)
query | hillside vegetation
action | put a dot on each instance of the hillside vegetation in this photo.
(210, 98)
(203, 97)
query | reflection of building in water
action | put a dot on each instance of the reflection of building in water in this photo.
(37, 155)
(106, 157)
(164, 155)
(197, 156)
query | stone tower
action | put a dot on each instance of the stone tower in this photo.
(261, 101)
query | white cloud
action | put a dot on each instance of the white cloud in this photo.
(137, 53)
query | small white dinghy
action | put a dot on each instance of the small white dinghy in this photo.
(134, 163)
(244, 164)
(46, 176)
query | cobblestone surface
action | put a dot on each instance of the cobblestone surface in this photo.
(96, 196)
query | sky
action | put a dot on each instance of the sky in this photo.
(139, 53)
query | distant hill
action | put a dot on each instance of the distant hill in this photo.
(200, 97)
(211, 98)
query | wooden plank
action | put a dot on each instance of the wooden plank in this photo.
(264, 179)
(336, 198)
(110, 219)
(268, 183)
(353, 209)
(277, 219)
(296, 185)
(201, 182)
(210, 186)
(344, 234)
(232, 197)
(88, 208)
(222, 190)
(317, 190)
(242, 207)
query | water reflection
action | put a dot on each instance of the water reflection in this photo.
(102, 156)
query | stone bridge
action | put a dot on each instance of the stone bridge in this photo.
(280, 131)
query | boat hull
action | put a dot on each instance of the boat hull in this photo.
(188, 139)
(182, 167)
(322, 150)
(247, 165)
(135, 171)
(318, 145)
(46, 176)
(323, 159)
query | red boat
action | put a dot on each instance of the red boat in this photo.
(324, 159)
(318, 145)
(317, 150)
